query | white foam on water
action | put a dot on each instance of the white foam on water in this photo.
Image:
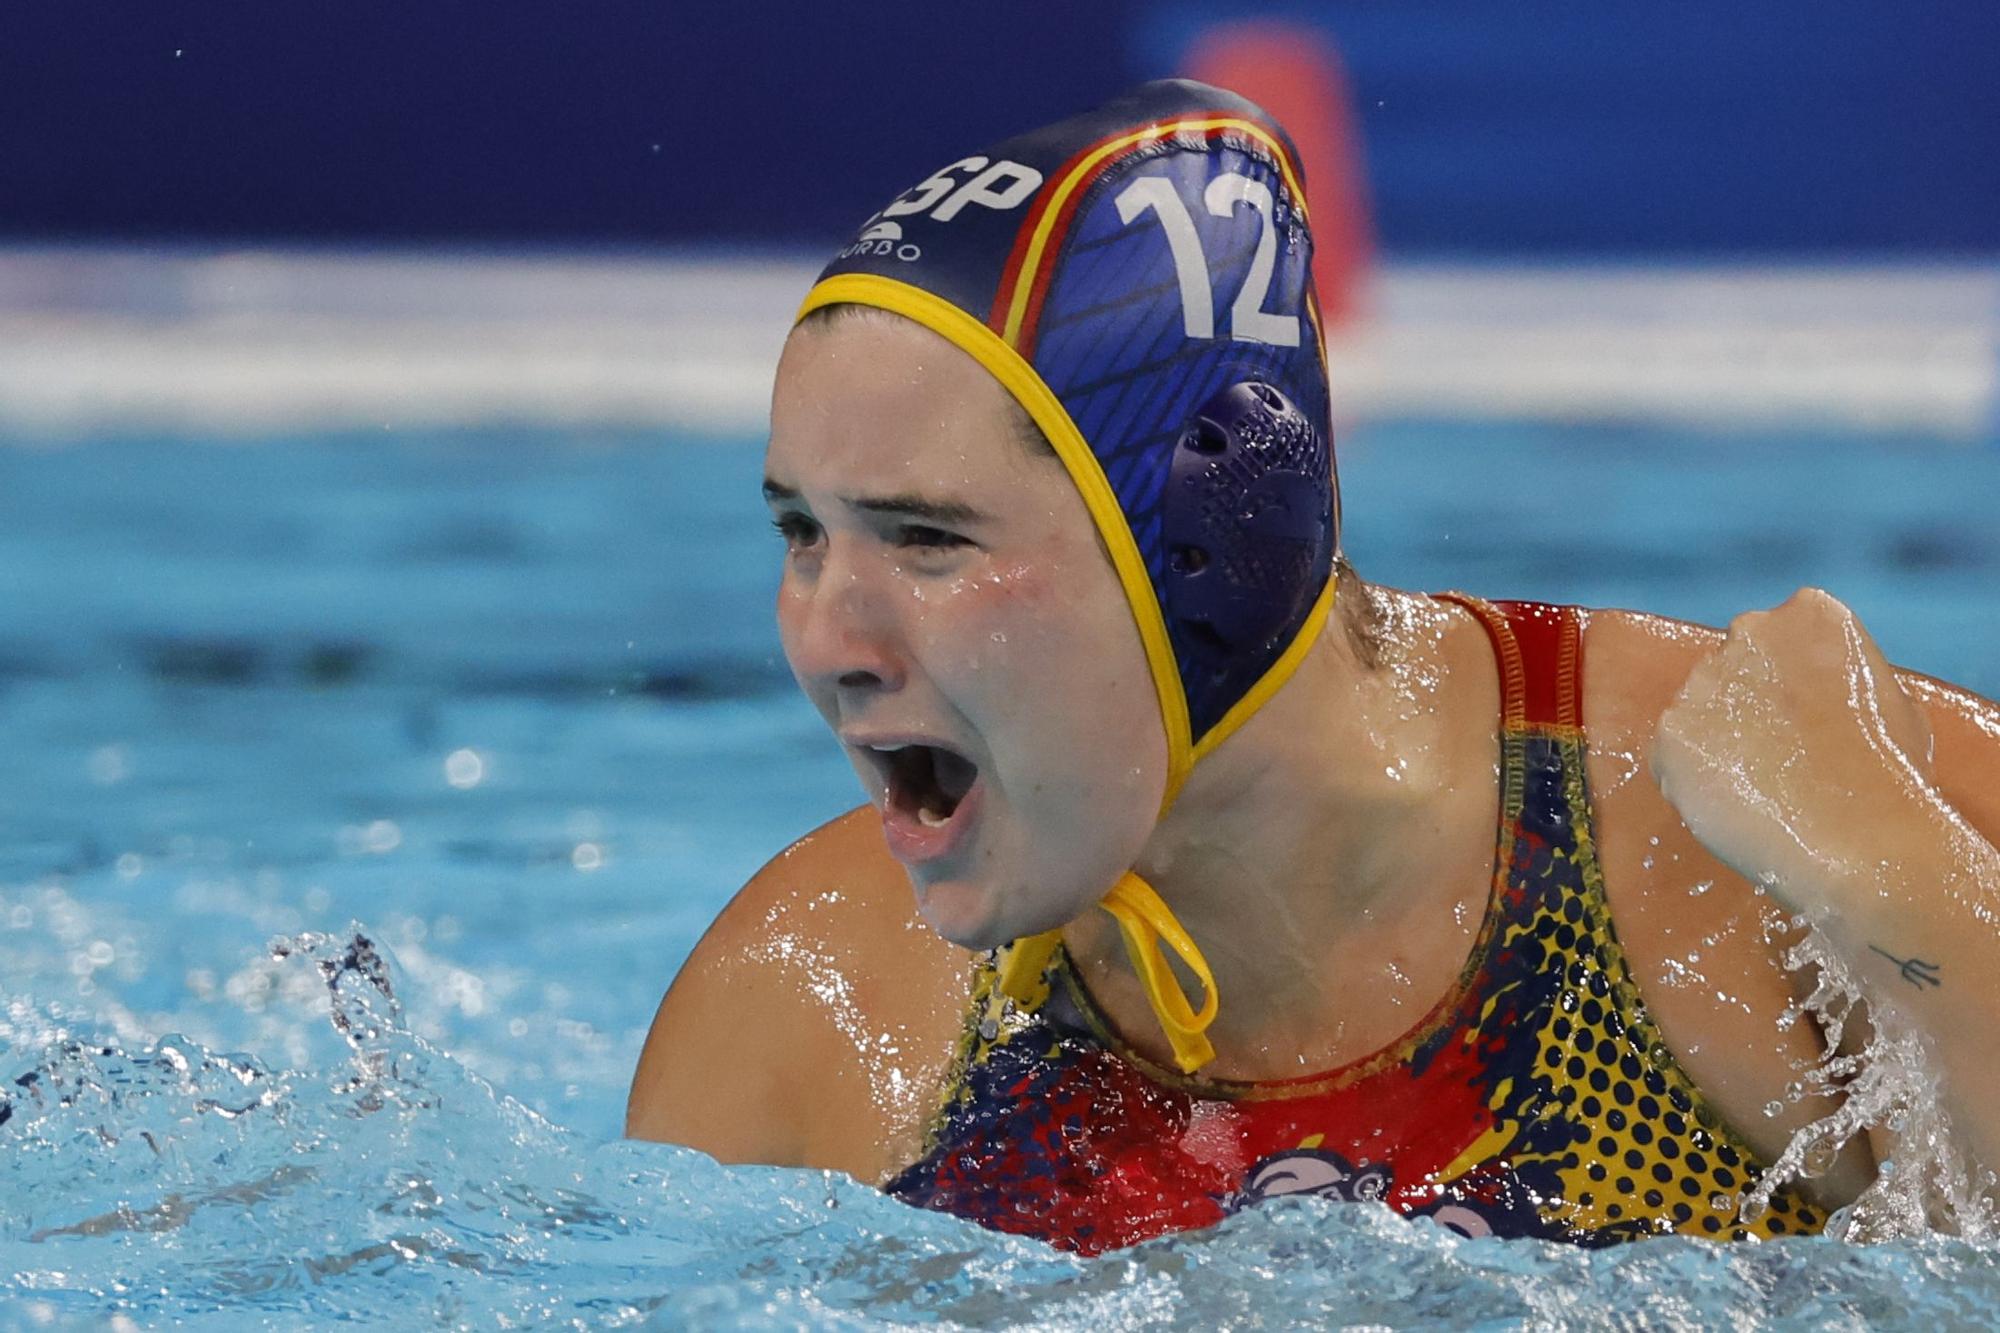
(1891, 1082)
(163, 1181)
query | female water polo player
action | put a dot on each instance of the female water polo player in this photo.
(1236, 876)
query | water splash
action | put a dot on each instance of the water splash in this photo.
(362, 1006)
(210, 1155)
(1889, 1082)
(166, 1181)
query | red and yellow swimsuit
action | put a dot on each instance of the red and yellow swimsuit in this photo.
(1535, 1099)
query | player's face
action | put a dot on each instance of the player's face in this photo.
(947, 607)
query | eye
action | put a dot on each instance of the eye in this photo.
(796, 529)
(928, 538)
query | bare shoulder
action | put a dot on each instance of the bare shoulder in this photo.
(1649, 656)
(1703, 946)
(1647, 660)
(811, 1023)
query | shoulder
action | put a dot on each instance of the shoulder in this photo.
(811, 1023)
(1635, 665)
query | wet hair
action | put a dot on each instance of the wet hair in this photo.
(841, 312)
(1359, 609)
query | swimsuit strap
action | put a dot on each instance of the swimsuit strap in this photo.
(1539, 650)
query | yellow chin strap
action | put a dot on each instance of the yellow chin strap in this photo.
(1144, 920)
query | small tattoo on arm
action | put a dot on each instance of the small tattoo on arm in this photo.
(1915, 970)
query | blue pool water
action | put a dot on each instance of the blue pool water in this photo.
(509, 708)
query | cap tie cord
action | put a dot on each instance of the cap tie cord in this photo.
(1144, 920)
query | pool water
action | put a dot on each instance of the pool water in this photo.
(481, 729)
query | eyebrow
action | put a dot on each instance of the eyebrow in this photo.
(906, 503)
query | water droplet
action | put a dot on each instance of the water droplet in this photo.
(464, 769)
(1774, 1108)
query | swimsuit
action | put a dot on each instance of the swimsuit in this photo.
(1535, 1099)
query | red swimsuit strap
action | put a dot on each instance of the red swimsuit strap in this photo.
(1539, 649)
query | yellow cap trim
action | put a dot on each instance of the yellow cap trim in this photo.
(1047, 411)
(1017, 307)
(1144, 920)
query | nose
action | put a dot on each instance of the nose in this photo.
(838, 632)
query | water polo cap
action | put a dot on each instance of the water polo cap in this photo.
(1139, 279)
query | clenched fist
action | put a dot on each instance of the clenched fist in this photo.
(1794, 755)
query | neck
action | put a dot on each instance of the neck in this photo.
(1335, 826)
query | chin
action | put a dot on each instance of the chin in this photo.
(971, 915)
(961, 913)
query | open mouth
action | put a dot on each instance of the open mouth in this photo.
(926, 782)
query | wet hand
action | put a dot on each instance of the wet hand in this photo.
(1794, 755)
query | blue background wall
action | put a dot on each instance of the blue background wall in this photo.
(1534, 126)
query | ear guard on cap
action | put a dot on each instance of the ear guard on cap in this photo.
(1248, 523)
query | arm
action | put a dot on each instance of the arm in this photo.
(811, 1023)
(1867, 800)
